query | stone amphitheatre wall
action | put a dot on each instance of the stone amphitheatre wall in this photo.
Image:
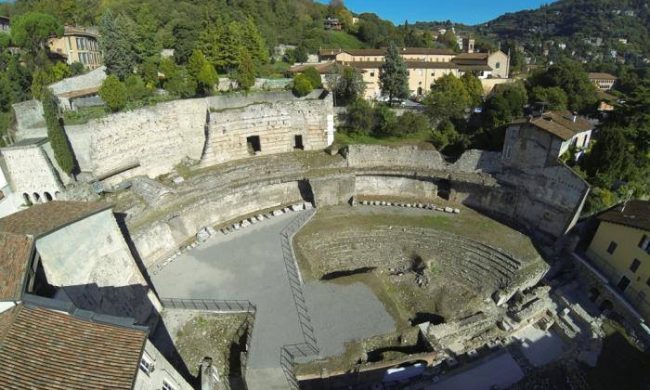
(164, 237)
(152, 140)
(547, 199)
(247, 186)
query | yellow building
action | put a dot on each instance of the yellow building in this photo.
(620, 250)
(78, 45)
(603, 81)
(425, 66)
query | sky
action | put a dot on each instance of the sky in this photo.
(462, 11)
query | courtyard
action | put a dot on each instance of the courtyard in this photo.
(249, 265)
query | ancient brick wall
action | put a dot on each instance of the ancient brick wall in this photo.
(152, 140)
(280, 127)
(30, 171)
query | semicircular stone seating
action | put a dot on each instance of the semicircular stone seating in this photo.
(479, 266)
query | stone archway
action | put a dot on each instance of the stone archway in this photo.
(26, 198)
(37, 197)
(48, 197)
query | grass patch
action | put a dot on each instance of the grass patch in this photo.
(84, 115)
(274, 71)
(213, 335)
(341, 39)
(422, 137)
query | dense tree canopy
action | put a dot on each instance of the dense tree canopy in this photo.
(393, 75)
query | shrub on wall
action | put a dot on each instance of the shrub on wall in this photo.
(301, 85)
(113, 93)
(314, 77)
(55, 132)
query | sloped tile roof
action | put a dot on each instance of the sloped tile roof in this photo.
(561, 124)
(19, 231)
(44, 218)
(15, 255)
(46, 349)
(382, 51)
(636, 214)
(602, 76)
(409, 65)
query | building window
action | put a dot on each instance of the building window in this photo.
(167, 386)
(623, 283)
(372, 74)
(146, 365)
(635, 265)
(612, 247)
(498, 65)
(644, 244)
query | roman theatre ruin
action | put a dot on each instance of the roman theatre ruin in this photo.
(445, 247)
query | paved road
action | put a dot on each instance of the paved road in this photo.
(248, 265)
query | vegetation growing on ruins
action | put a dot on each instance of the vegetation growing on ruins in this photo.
(113, 93)
(56, 133)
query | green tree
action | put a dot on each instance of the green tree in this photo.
(410, 123)
(314, 77)
(572, 79)
(301, 85)
(31, 32)
(555, 97)
(474, 89)
(448, 99)
(56, 133)
(136, 89)
(40, 80)
(385, 121)
(245, 74)
(254, 43)
(393, 75)
(360, 118)
(449, 39)
(346, 83)
(202, 72)
(116, 40)
(113, 93)
(444, 135)
(608, 160)
(181, 84)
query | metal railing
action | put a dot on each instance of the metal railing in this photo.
(289, 353)
(226, 306)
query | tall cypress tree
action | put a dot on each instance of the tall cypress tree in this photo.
(393, 77)
(56, 133)
(116, 42)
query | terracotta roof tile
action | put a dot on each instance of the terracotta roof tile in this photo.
(602, 76)
(636, 214)
(46, 217)
(561, 124)
(15, 256)
(409, 64)
(46, 349)
(382, 51)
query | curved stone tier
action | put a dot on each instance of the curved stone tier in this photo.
(476, 264)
